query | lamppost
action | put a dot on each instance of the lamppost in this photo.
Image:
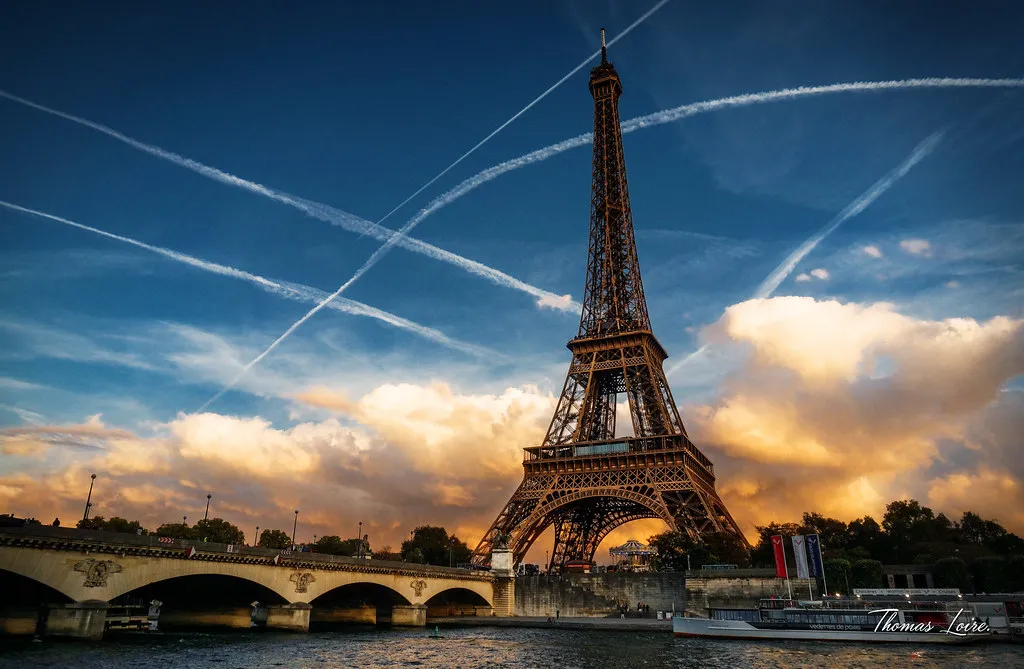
(207, 516)
(184, 527)
(256, 540)
(88, 500)
(451, 552)
(359, 540)
(295, 525)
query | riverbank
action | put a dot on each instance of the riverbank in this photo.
(538, 622)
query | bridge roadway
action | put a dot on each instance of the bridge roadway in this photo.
(91, 569)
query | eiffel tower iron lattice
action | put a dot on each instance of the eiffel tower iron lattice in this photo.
(583, 480)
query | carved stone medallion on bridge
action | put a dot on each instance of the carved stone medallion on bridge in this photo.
(418, 586)
(97, 571)
(302, 580)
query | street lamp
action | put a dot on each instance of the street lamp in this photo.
(295, 525)
(256, 540)
(207, 516)
(451, 552)
(88, 500)
(183, 525)
(359, 540)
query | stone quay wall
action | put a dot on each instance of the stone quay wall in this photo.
(597, 595)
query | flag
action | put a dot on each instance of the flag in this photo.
(814, 548)
(780, 557)
(190, 552)
(801, 556)
(277, 559)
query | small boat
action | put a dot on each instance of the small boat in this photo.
(842, 619)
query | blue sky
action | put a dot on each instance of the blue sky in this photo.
(356, 107)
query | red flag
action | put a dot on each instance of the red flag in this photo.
(780, 557)
(190, 552)
(277, 559)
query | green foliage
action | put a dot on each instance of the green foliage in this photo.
(275, 539)
(762, 555)
(832, 533)
(335, 545)
(866, 574)
(837, 575)
(115, 524)
(386, 553)
(176, 531)
(952, 572)
(717, 548)
(990, 574)
(433, 545)
(219, 531)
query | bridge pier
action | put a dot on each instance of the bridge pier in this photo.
(409, 616)
(289, 617)
(78, 620)
(366, 615)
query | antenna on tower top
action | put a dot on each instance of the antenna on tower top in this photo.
(604, 48)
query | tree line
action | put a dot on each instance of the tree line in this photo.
(428, 544)
(971, 553)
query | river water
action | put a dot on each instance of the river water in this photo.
(484, 647)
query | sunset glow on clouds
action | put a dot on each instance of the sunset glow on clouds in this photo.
(887, 363)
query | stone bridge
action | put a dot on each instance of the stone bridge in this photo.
(79, 574)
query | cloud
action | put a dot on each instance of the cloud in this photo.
(872, 251)
(916, 247)
(803, 277)
(842, 407)
(952, 284)
(397, 456)
(820, 273)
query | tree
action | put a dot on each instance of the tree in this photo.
(763, 555)
(672, 549)
(675, 550)
(832, 534)
(863, 534)
(335, 545)
(176, 531)
(837, 574)
(219, 531)
(866, 574)
(435, 547)
(990, 575)
(94, 523)
(951, 573)
(274, 539)
(386, 553)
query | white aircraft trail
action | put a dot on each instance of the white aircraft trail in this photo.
(525, 109)
(394, 237)
(292, 291)
(862, 202)
(544, 298)
(313, 209)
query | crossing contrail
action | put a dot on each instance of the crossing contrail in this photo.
(862, 202)
(692, 109)
(394, 237)
(316, 210)
(292, 291)
(544, 298)
(525, 109)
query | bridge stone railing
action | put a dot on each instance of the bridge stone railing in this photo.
(45, 533)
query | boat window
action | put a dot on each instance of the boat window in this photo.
(749, 615)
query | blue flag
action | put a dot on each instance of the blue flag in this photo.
(814, 550)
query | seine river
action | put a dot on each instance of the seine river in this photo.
(484, 647)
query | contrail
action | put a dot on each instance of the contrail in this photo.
(780, 273)
(286, 289)
(677, 113)
(316, 210)
(862, 202)
(525, 109)
(544, 298)
(419, 218)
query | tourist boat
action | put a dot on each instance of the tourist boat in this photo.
(841, 620)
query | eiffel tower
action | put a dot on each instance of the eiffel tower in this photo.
(583, 479)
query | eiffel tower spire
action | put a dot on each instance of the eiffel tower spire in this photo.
(584, 479)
